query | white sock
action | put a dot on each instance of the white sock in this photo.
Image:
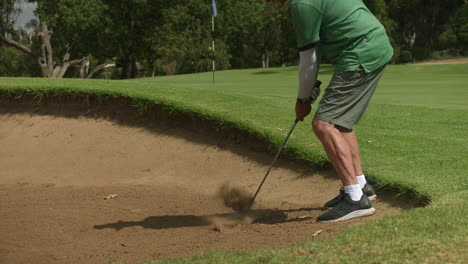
(361, 180)
(354, 191)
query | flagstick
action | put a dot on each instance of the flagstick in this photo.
(213, 48)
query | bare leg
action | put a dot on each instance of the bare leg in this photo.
(338, 150)
(351, 139)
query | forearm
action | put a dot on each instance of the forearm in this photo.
(308, 70)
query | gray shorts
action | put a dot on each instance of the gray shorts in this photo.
(347, 96)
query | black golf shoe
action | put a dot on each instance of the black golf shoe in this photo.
(348, 209)
(367, 190)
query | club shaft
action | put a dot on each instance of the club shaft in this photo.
(273, 162)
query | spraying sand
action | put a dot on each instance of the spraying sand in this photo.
(235, 197)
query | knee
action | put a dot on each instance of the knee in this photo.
(321, 128)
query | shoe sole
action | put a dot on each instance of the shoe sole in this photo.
(355, 214)
(371, 198)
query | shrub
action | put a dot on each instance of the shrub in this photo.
(406, 56)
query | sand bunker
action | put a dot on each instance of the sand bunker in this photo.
(59, 164)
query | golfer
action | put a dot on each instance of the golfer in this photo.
(349, 35)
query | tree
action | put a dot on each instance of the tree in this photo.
(126, 30)
(181, 40)
(270, 31)
(8, 15)
(460, 28)
(65, 27)
(14, 62)
(419, 23)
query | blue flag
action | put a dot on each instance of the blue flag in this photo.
(213, 8)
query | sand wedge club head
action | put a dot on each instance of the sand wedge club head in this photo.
(271, 165)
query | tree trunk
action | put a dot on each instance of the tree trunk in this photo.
(99, 68)
(84, 68)
(44, 57)
(17, 45)
(60, 70)
(129, 69)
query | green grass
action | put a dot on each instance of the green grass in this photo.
(417, 123)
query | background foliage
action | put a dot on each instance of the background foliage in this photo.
(166, 37)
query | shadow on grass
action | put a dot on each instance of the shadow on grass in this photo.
(269, 217)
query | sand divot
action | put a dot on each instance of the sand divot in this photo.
(227, 224)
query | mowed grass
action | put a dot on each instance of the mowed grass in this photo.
(414, 139)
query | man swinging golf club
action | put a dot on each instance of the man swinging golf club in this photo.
(347, 33)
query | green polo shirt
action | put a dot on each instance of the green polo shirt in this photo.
(345, 30)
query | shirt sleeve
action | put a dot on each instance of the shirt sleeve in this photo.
(307, 21)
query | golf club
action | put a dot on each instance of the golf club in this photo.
(273, 162)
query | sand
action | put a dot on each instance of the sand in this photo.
(161, 176)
